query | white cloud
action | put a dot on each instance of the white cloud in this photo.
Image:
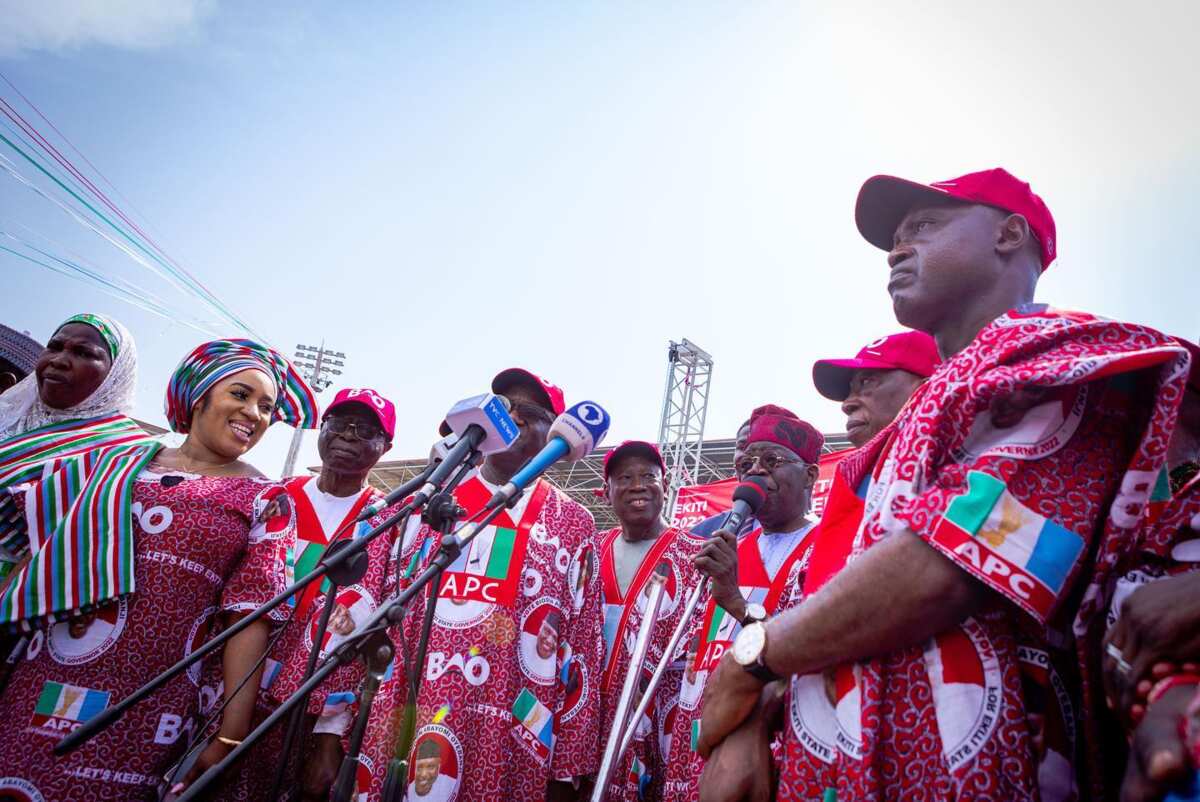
(55, 25)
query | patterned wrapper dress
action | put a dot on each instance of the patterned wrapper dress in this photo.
(191, 538)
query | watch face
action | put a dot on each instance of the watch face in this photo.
(756, 612)
(748, 644)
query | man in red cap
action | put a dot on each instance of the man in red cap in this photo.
(945, 615)
(635, 484)
(510, 682)
(752, 577)
(876, 384)
(356, 430)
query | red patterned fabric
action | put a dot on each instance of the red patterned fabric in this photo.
(294, 532)
(712, 633)
(640, 774)
(503, 718)
(190, 539)
(990, 710)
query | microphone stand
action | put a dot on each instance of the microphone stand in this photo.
(385, 616)
(103, 720)
(339, 576)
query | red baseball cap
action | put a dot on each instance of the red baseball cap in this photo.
(553, 395)
(384, 410)
(884, 200)
(914, 351)
(631, 448)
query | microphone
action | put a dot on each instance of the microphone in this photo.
(573, 435)
(748, 497)
(479, 423)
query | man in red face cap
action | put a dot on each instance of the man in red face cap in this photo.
(523, 724)
(356, 430)
(754, 576)
(630, 555)
(874, 385)
(947, 609)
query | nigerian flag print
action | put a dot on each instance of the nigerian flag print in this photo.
(1024, 555)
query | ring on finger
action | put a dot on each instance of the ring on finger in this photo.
(1123, 665)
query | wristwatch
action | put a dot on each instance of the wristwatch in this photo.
(754, 612)
(749, 648)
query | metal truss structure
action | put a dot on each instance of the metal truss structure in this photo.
(685, 407)
(584, 480)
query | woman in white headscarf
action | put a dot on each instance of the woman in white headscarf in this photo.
(87, 370)
(77, 398)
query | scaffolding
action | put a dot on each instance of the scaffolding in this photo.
(685, 406)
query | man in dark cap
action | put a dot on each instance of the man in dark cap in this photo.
(752, 577)
(945, 615)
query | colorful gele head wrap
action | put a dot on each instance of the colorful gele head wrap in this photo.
(209, 363)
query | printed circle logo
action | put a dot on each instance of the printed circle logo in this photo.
(666, 726)
(812, 716)
(196, 638)
(590, 414)
(540, 628)
(574, 677)
(457, 613)
(665, 568)
(965, 674)
(18, 789)
(435, 771)
(362, 778)
(352, 606)
(274, 515)
(83, 638)
(579, 576)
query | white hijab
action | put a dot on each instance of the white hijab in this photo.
(22, 409)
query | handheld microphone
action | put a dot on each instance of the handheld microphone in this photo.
(748, 497)
(573, 435)
(479, 423)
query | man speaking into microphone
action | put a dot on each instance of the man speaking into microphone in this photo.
(753, 577)
(516, 722)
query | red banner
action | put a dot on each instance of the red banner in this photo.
(697, 502)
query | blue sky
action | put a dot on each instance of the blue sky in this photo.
(445, 190)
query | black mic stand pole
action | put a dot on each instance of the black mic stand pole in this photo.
(339, 576)
(343, 575)
(387, 615)
(109, 716)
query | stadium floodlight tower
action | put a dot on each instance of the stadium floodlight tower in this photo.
(316, 364)
(685, 406)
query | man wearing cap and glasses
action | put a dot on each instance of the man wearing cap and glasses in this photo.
(949, 623)
(356, 430)
(753, 576)
(630, 555)
(522, 725)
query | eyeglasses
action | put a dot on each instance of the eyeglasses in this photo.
(361, 431)
(770, 462)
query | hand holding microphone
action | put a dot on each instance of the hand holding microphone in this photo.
(717, 559)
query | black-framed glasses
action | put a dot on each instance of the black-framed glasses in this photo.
(360, 430)
(770, 462)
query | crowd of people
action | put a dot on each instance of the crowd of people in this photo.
(998, 601)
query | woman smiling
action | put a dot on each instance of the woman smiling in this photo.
(129, 579)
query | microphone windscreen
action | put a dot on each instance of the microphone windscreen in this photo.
(582, 427)
(752, 491)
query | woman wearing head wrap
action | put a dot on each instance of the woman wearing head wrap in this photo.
(76, 399)
(127, 579)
